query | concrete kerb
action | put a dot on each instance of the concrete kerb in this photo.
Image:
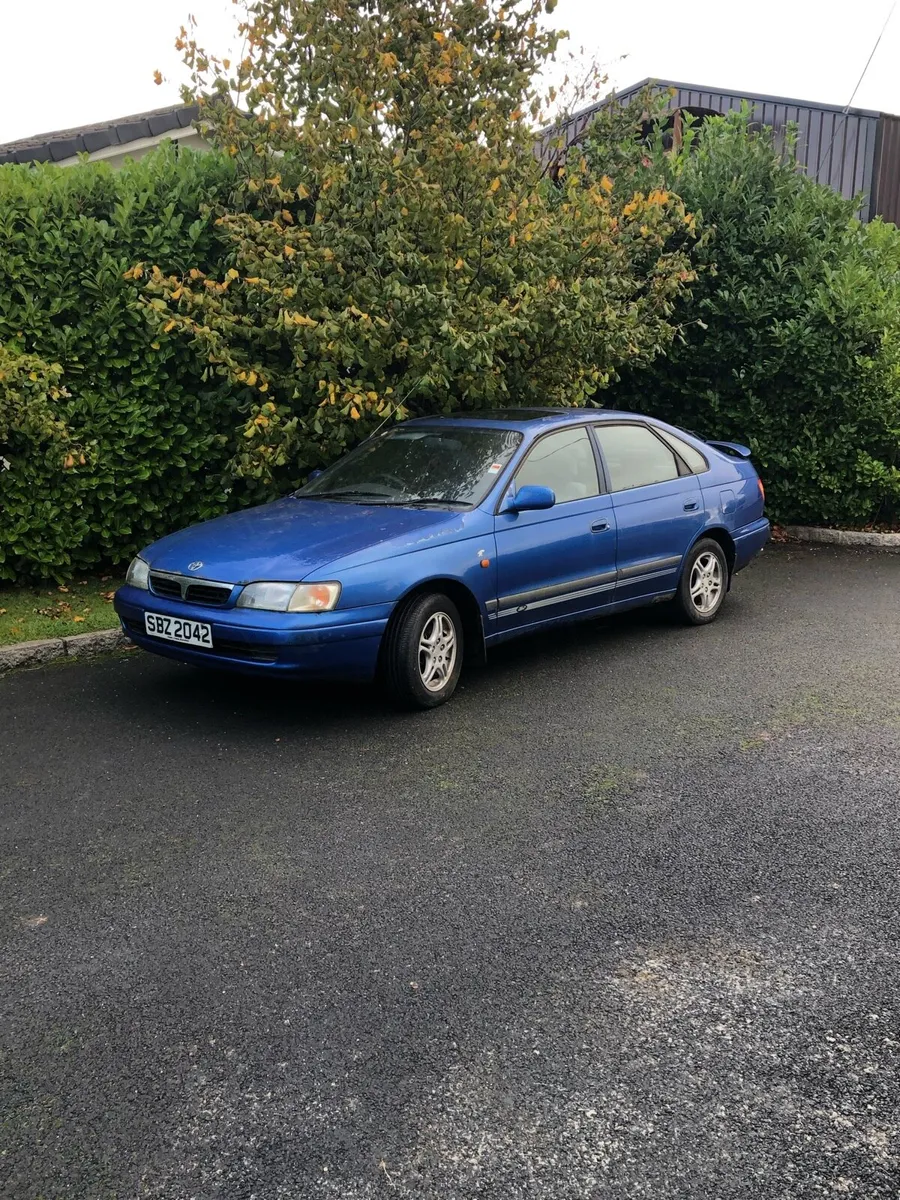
(842, 537)
(80, 645)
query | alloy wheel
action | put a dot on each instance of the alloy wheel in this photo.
(437, 651)
(707, 582)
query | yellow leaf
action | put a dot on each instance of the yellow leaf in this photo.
(168, 327)
(440, 38)
(231, 273)
(264, 387)
(289, 251)
(495, 184)
(154, 345)
(157, 78)
(78, 618)
(606, 183)
(226, 63)
(354, 413)
(32, 375)
(459, 265)
(302, 193)
(251, 379)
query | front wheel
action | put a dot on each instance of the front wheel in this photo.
(704, 583)
(423, 652)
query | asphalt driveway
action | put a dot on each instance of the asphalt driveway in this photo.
(621, 921)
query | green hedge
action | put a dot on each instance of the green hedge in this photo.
(790, 340)
(790, 335)
(154, 433)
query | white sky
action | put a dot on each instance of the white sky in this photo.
(65, 63)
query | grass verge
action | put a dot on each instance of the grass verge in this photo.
(28, 614)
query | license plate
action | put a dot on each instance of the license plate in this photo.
(175, 629)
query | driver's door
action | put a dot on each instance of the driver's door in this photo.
(557, 562)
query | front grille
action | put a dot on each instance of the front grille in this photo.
(207, 593)
(182, 587)
(165, 585)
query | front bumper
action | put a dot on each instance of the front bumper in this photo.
(343, 644)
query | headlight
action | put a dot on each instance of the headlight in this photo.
(138, 574)
(290, 597)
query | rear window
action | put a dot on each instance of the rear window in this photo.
(689, 453)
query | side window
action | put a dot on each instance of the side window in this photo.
(635, 456)
(564, 462)
(691, 456)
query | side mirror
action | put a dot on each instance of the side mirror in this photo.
(529, 498)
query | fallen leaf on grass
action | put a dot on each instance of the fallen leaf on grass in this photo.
(62, 589)
(2, 612)
(107, 596)
(78, 618)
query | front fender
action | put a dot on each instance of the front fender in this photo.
(387, 581)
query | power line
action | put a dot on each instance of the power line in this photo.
(887, 21)
(839, 125)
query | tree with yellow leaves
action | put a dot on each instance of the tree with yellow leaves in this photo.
(398, 247)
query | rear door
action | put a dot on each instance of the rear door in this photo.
(561, 561)
(658, 506)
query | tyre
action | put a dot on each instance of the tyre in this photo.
(704, 583)
(423, 652)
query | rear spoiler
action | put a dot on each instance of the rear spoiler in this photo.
(735, 449)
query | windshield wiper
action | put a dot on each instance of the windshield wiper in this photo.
(350, 494)
(421, 501)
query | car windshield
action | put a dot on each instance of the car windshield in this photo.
(432, 465)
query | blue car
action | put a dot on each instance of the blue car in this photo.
(442, 537)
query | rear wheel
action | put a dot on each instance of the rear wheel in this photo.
(704, 583)
(423, 652)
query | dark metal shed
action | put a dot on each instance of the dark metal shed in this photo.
(855, 151)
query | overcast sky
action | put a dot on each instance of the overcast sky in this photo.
(70, 62)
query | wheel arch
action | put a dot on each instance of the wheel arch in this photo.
(720, 534)
(465, 601)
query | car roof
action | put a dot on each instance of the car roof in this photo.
(534, 417)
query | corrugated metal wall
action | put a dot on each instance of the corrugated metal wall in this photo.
(835, 148)
(886, 187)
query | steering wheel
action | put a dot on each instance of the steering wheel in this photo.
(391, 481)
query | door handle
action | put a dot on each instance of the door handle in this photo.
(599, 526)
(692, 506)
